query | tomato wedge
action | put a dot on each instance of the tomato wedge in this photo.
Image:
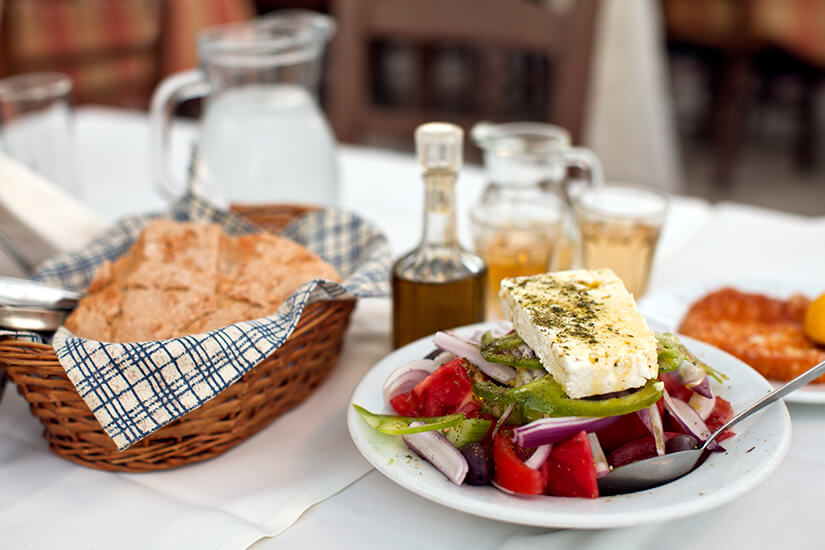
(406, 404)
(571, 472)
(511, 473)
(627, 428)
(721, 413)
(638, 449)
(446, 390)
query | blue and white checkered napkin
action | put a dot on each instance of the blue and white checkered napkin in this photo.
(134, 389)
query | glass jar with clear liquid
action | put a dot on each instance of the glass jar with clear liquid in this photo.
(263, 137)
(522, 224)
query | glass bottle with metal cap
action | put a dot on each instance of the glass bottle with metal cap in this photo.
(439, 285)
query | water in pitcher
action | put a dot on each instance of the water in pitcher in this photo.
(267, 143)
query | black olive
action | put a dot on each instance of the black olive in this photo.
(480, 464)
(681, 442)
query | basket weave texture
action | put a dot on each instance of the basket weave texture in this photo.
(277, 384)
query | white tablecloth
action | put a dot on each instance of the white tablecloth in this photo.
(302, 479)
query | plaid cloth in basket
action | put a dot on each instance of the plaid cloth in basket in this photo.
(134, 389)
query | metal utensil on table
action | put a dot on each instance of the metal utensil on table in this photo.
(36, 319)
(31, 294)
(31, 306)
(652, 472)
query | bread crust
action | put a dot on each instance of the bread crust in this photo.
(186, 277)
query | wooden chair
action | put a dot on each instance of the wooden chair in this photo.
(115, 51)
(484, 25)
(724, 29)
(743, 41)
(107, 48)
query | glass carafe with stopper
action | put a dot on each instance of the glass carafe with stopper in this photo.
(439, 285)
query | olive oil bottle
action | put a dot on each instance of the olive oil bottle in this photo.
(439, 285)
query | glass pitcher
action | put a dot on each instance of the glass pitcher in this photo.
(522, 224)
(525, 159)
(263, 137)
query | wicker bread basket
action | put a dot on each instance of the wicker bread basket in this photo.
(277, 384)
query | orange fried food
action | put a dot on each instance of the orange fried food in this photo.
(764, 332)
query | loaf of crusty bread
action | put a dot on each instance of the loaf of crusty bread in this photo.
(185, 278)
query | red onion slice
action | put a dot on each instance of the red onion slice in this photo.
(652, 420)
(539, 456)
(690, 420)
(693, 377)
(690, 372)
(405, 377)
(702, 388)
(535, 374)
(702, 404)
(462, 348)
(438, 451)
(550, 430)
(502, 419)
(686, 417)
(599, 460)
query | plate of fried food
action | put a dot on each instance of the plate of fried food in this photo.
(776, 327)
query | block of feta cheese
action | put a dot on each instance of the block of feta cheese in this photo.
(584, 327)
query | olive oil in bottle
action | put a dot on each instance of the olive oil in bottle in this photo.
(439, 285)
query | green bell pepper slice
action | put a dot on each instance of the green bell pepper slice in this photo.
(545, 397)
(400, 425)
(515, 418)
(672, 353)
(504, 350)
(469, 430)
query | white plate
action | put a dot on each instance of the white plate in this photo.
(759, 447)
(667, 308)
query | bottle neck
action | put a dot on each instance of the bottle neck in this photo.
(439, 209)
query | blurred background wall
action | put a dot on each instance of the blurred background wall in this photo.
(716, 98)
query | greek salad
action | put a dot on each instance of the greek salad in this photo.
(483, 411)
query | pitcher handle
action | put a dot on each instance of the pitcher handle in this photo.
(172, 91)
(585, 159)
